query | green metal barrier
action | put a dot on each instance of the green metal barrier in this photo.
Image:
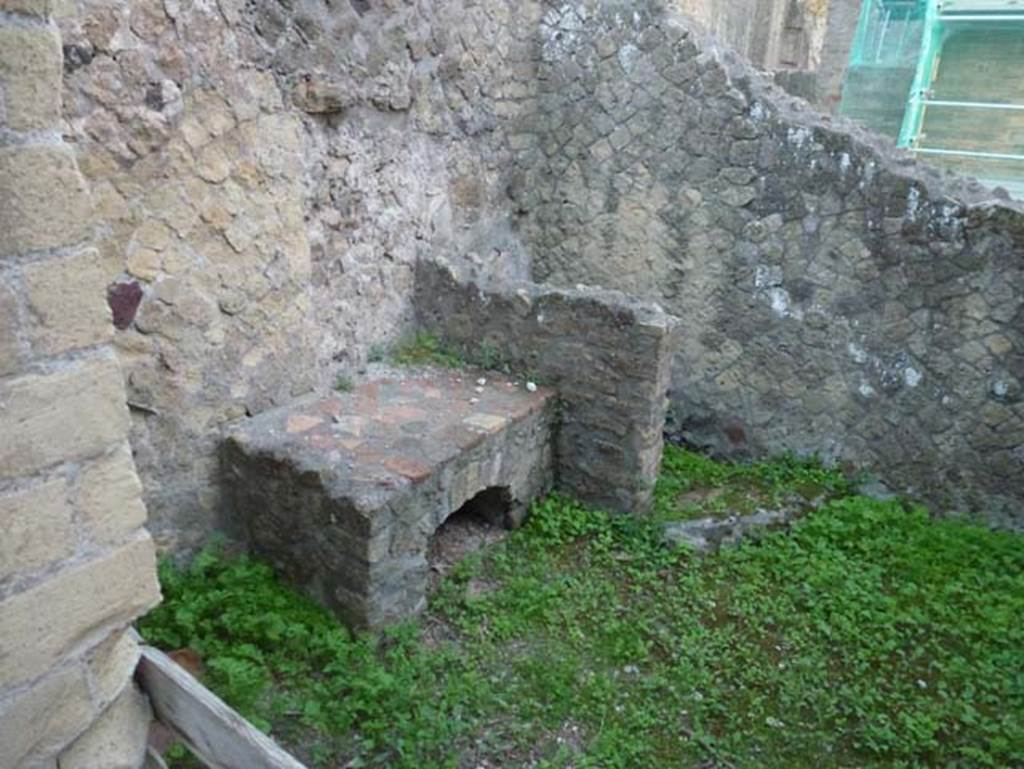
(899, 83)
(887, 33)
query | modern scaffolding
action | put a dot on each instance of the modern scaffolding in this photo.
(943, 78)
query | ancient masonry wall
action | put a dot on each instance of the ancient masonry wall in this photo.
(266, 174)
(76, 564)
(772, 34)
(837, 299)
(607, 355)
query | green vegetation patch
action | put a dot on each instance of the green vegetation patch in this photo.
(869, 635)
(426, 349)
(692, 485)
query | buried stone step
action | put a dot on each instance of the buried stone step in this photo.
(710, 533)
(342, 493)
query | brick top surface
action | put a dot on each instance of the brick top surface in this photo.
(396, 427)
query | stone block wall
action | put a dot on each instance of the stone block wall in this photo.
(840, 30)
(839, 299)
(607, 355)
(76, 564)
(805, 43)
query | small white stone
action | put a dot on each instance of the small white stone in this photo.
(531, 387)
(479, 389)
(474, 400)
(481, 381)
(912, 377)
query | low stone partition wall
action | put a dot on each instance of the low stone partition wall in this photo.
(607, 355)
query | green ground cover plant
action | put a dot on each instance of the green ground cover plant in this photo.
(692, 485)
(868, 635)
(425, 349)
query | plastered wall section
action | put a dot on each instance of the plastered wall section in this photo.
(76, 564)
(838, 299)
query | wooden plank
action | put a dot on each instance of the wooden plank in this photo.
(218, 735)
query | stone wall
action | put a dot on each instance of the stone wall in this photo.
(838, 299)
(266, 174)
(607, 355)
(840, 30)
(806, 43)
(772, 34)
(76, 564)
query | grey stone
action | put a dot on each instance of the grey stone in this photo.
(319, 95)
(709, 534)
(875, 489)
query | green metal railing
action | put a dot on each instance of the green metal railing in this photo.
(927, 62)
(970, 101)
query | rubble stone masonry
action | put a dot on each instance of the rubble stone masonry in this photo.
(265, 176)
(209, 209)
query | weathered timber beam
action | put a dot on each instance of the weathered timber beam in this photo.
(219, 736)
